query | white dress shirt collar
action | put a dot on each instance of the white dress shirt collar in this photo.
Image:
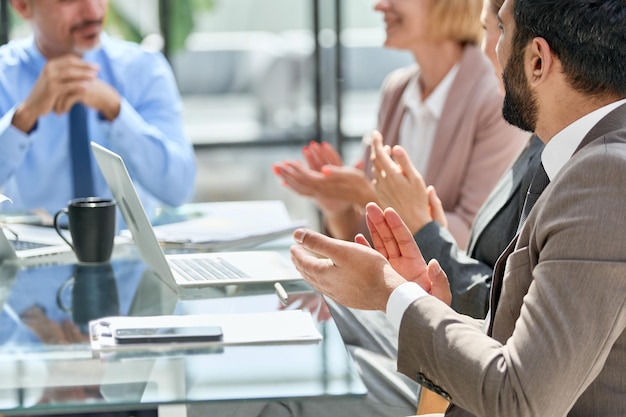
(421, 118)
(412, 96)
(562, 145)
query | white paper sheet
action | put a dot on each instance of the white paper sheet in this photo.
(221, 225)
(287, 326)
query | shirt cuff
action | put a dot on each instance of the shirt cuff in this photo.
(400, 299)
(14, 141)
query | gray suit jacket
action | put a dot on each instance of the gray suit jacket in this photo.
(557, 344)
(493, 229)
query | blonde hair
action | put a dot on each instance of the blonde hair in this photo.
(457, 20)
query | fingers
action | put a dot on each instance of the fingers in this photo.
(318, 155)
(381, 160)
(439, 285)
(317, 243)
(60, 78)
(404, 161)
(69, 68)
(64, 103)
(379, 230)
(102, 97)
(81, 71)
(330, 154)
(312, 266)
(312, 157)
(296, 177)
(437, 212)
(401, 235)
(361, 240)
(385, 165)
(71, 332)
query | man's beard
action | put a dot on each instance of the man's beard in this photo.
(520, 105)
(80, 50)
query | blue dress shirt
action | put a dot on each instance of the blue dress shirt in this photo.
(35, 168)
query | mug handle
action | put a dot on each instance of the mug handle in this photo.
(57, 226)
(62, 289)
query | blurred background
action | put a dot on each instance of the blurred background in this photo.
(259, 79)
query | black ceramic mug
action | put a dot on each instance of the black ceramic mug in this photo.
(91, 221)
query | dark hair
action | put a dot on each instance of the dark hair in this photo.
(587, 36)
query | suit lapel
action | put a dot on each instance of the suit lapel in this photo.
(471, 69)
(496, 284)
(391, 127)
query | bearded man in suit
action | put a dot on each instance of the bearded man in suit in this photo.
(553, 343)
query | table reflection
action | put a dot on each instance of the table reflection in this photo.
(309, 301)
(48, 366)
(63, 298)
(92, 293)
(45, 312)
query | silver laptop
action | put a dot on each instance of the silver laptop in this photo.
(186, 271)
(33, 245)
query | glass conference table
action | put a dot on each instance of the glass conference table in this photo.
(47, 366)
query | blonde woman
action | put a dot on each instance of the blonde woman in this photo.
(445, 111)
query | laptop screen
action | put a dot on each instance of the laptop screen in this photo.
(127, 199)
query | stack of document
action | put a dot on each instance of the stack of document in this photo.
(285, 326)
(223, 225)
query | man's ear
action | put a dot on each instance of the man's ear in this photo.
(23, 8)
(539, 61)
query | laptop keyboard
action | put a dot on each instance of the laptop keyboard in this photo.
(24, 245)
(194, 269)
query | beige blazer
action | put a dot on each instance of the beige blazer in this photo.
(473, 144)
(557, 344)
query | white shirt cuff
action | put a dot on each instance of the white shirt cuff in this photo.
(400, 299)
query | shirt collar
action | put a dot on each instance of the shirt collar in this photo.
(36, 59)
(412, 96)
(563, 145)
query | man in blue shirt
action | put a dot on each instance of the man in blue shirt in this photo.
(132, 107)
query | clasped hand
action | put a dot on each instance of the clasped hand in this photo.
(63, 82)
(358, 275)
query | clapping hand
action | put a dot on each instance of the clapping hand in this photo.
(359, 276)
(334, 186)
(400, 185)
(392, 239)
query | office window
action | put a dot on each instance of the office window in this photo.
(246, 72)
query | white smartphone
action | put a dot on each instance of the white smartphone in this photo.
(179, 334)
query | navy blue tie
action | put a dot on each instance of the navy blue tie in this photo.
(79, 150)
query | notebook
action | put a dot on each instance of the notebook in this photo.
(192, 270)
(33, 245)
